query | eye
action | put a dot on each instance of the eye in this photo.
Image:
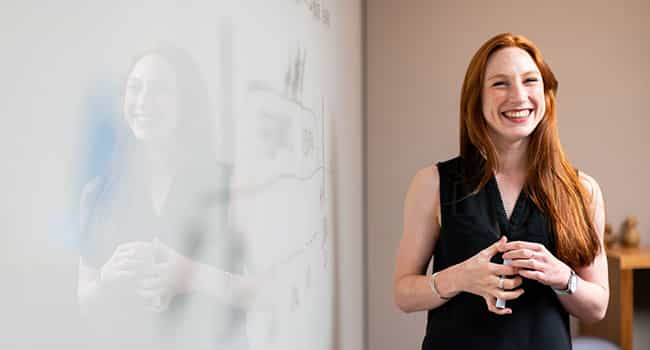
(531, 80)
(499, 83)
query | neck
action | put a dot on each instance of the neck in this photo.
(158, 162)
(512, 156)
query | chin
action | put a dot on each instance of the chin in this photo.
(140, 134)
(519, 137)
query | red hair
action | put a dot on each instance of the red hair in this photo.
(551, 181)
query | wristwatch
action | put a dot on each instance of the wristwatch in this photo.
(571, 287)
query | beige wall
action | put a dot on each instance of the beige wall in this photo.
(417, 53)
(346, 142)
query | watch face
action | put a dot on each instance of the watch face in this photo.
(571, 286)
(573, 283)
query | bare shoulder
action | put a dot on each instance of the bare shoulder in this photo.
(597, 202)
(426, 182)
(590, 184)
(423, 193)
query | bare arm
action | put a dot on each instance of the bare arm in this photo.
(589, 302)
(412, 291)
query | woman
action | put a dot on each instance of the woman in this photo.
(156, 260)
(511, 196)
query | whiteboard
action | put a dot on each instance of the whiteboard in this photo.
(283, 118)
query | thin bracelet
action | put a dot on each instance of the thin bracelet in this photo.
(434, 289)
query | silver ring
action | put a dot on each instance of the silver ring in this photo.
(500, 282)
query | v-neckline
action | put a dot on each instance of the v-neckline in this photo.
(158, 209)
(501, 209)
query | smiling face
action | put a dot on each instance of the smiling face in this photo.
(512, 95)
(151, 99)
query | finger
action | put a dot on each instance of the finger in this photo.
(512, 283)
(518, 254)
(491, 304)
(531, 264)
(495, 248)
(538, 276)
(145, 250)
(507, 294)
(514, 245)
(131, 245)
(128, 264)
(503, 270)
(156, 270)
(508, 283)
(124, 254)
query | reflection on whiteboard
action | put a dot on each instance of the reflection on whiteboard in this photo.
(222, 164)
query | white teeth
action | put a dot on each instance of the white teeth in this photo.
(519, 114)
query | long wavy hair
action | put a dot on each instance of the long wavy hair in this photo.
(552, 183)
(119, 195)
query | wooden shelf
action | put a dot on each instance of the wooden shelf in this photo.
(631, 258)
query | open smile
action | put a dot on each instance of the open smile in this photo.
(518, 116)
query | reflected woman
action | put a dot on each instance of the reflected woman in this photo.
(157, 260)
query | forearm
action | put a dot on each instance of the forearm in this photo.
(588, 303)
(414, 293)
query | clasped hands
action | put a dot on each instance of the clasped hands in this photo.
(151, 271)
(491, 281)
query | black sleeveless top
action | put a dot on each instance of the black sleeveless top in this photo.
(192, 222)
(538, 320)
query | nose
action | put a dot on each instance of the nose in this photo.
(518, 92)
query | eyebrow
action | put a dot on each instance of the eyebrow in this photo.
(505, 76)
